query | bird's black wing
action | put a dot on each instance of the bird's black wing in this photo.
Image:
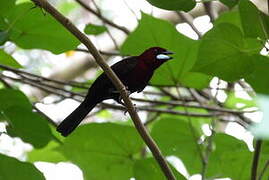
(125, 66)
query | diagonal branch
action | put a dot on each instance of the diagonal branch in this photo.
(104, 19)
(255, 162)
(117, 83)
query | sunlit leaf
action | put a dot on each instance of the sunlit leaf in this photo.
(228, 155)
(146, 169)
(47, 154)
(8, 60)
(222, 49)
(103, 151)
(176, 137)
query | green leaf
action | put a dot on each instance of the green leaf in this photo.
(8, 60)
(47, 154)
(231, 17)
(13, 169)
(184, 5)
(146, 169)
(94, 29)
(196, 122)
(175, 137)
(222, 49)
(259, 78)
(29, 126)
(232, 102)
(264, 159)
(260, 130)
(12, 97)
(27, 30)
(253, 20)
(103, 150)
(230, 158)
(156, 32)
(66, 7)
(230, 3)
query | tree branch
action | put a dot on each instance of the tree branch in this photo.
(117, 83)
(104, 19)
(189, 20)
(255, 161)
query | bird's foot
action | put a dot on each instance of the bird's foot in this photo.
(134, 108)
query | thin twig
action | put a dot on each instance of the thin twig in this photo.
(164, 111)
(116, 82)
(108, 31)
(210, 11)
(264, 170)
(255, 161)
(189, 20)
(6, 84)
(211, 108)
(106, 53)
(41, 78)
(104, 19)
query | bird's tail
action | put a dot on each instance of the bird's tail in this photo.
(73, 120)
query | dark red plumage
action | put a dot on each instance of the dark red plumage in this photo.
(134, 72)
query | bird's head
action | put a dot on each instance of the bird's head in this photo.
(155, 56)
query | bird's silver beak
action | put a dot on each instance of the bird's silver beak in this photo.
(164, 55)
(167, 52)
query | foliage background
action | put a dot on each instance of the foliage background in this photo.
(195, 107)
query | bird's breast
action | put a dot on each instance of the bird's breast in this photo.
(139, 78)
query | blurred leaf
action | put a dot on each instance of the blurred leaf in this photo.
(47, 154)
(94, 29)
(230, 3)
(8, 60)
(253, 20)
(232, 102)
(197, 122)
(156, 32)
(260, 130)
(183, 5)
(12, 97)
(27, 30)
(13, 169)
(259, 80)
(105, 114)
(67, 7)
(103, 150)
(29, 126)
(175, 137)
(148, 169)
(222, 49)
(230, 158)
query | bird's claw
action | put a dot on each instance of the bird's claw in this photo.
(127, 110)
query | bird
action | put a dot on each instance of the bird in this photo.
(134, 72)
